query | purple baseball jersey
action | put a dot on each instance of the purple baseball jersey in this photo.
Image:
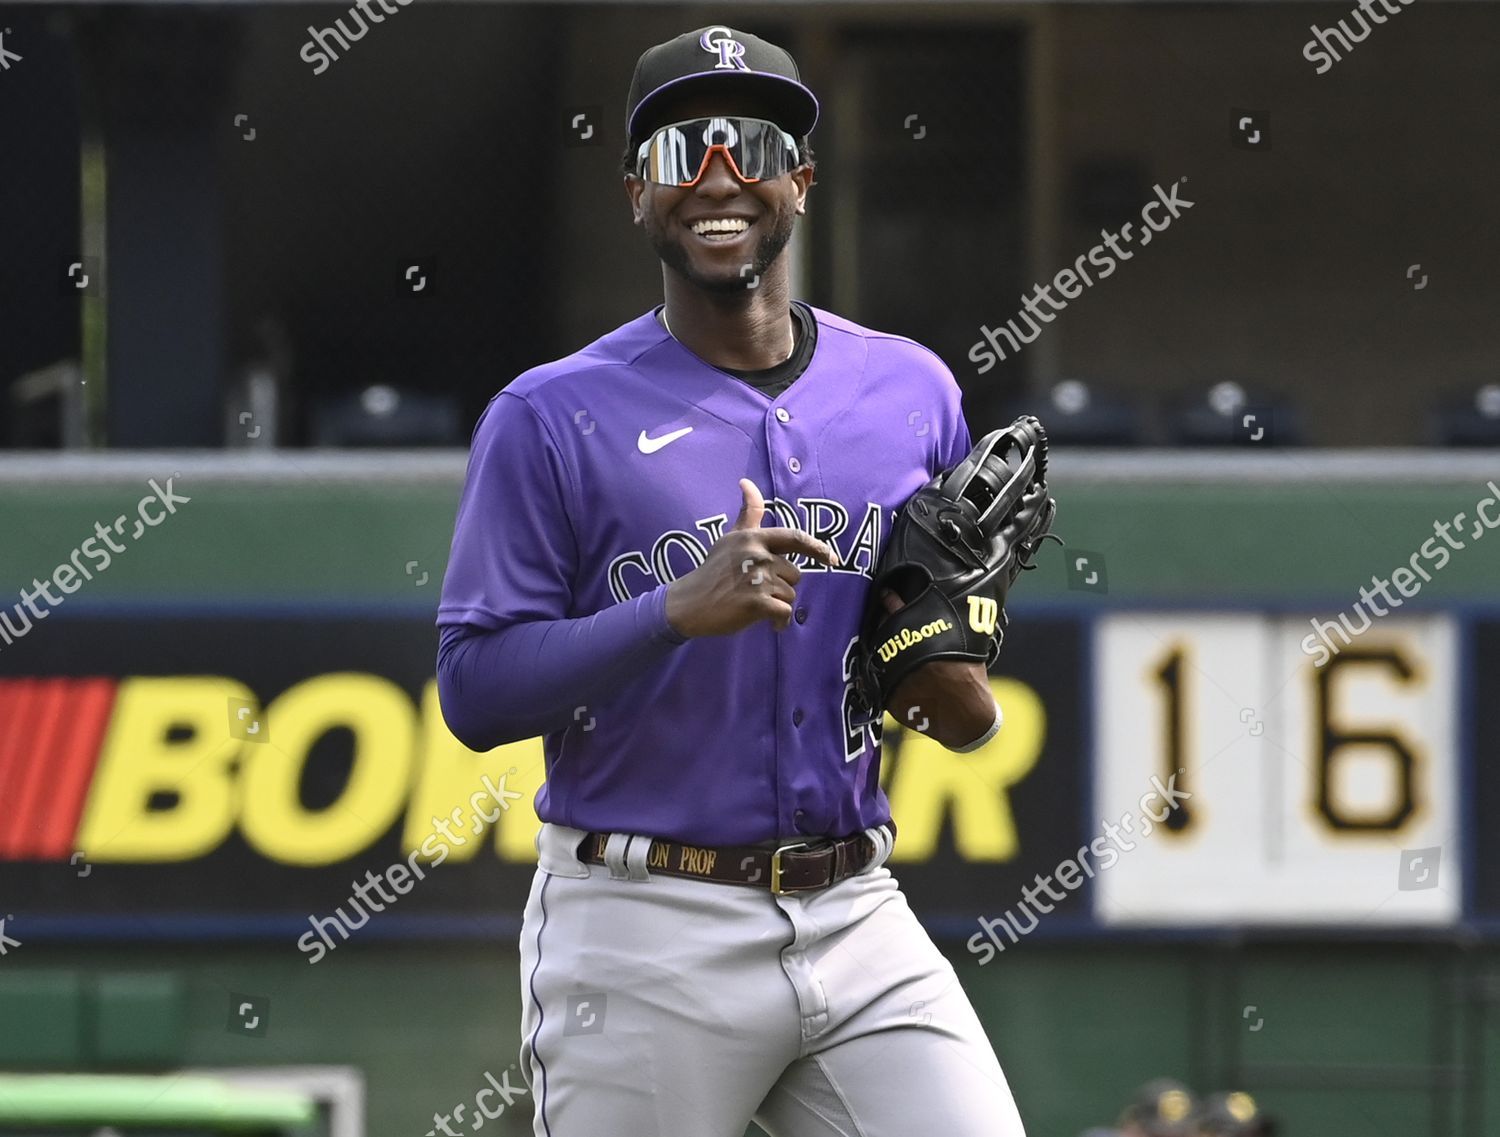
(598, 479)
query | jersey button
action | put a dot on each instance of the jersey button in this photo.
(783, 415)
(794, 465)
(801, 615)
(799, 819)
(797, 717)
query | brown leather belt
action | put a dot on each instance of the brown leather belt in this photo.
(802, 866)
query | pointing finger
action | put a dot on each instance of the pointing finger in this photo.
(782, 540)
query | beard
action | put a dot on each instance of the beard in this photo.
(777, 232)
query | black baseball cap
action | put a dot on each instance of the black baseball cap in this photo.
(720, 59)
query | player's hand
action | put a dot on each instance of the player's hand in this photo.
(949, 700)
(746, 577)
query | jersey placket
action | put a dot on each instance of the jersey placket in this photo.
(792, 471)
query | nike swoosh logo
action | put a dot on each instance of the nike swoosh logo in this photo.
(652, 445)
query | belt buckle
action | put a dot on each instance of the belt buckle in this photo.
(776, 865)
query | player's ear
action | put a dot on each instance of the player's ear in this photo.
(634, 189)
(802, 178)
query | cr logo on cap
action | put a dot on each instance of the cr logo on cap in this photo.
(731, 52)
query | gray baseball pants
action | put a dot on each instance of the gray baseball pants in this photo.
(657, 1006)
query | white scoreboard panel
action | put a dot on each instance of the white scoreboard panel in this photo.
(1319, 794)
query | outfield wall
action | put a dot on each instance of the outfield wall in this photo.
(1238, 951)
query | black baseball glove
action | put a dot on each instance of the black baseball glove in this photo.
(954, 551)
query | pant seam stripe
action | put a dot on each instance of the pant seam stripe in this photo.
(536, 1057)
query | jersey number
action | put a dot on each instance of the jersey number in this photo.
(857, 735)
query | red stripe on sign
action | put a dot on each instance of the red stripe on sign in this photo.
(32, 801)
(77, 757)
(17, 697)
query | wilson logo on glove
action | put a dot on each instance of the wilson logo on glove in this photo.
(983, 612)
(959, 543)
(909, 636)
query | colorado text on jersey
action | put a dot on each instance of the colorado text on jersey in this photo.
(825, 519)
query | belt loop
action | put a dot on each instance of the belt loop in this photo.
(881, 838)
(635, 858)
(614, 855)
(557, 851)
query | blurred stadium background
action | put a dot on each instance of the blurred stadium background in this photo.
(292, 293)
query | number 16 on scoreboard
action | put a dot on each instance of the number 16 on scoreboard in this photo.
(1307, 782)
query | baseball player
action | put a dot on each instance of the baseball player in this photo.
(660, 561)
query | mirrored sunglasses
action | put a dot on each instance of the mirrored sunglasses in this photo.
(677, 154)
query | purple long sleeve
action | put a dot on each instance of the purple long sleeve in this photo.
(529, 679)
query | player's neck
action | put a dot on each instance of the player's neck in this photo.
(747, 331)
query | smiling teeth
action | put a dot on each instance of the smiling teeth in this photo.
(735, 225)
